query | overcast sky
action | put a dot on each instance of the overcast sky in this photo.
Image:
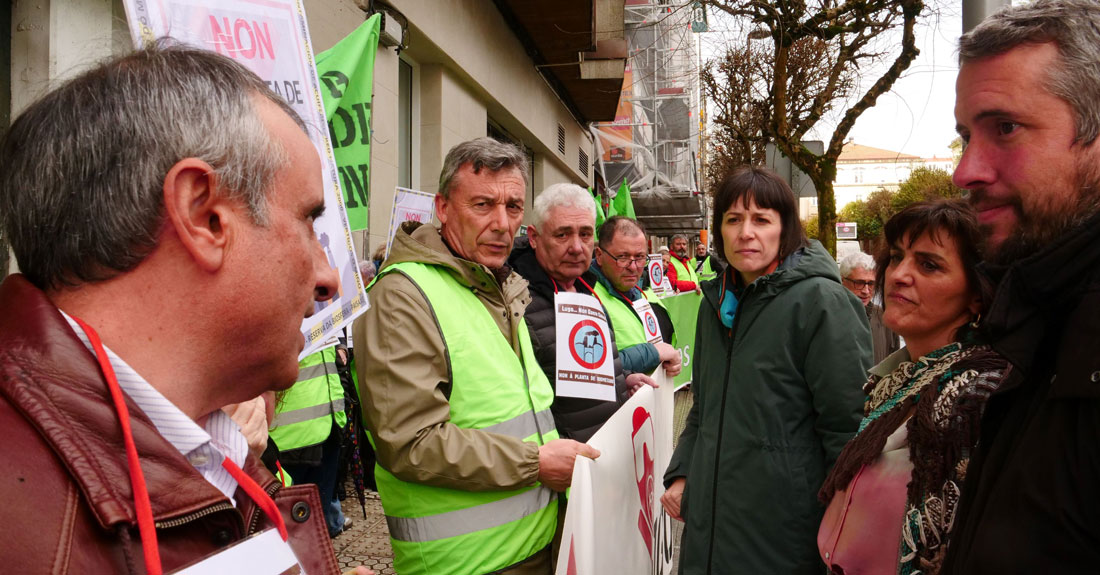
(917, 116)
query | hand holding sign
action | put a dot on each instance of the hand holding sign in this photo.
(556, 460)
(670, 358)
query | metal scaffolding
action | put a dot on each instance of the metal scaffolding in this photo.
(654, 141)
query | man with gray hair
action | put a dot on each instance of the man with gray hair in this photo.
(161, 208)
(555, 257)
(1028, 111)
(857, 273)
(469, 460)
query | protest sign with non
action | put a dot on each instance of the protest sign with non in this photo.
(650, 327)
(271, 38)
(615, 522)
(347, 78)
(584, 356)
(409, 205)
(683, 310)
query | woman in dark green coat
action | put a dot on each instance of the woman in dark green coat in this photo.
(782, 350)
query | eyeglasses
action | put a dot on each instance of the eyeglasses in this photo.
(624, 260)
(861, 284)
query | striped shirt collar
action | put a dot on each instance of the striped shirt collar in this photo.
(203, 447)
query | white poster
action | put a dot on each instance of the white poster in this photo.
(658, 281)
(650, 325)
(615, 522)
(585, 367)
(271, 38)
(410, 205)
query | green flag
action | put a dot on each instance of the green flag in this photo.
(347, 83)
(599, 210)
(622, 204)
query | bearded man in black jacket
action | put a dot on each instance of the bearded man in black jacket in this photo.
(1028, 111)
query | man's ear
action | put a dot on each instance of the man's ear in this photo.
(441, 209)
(533, 236)
(198, 212)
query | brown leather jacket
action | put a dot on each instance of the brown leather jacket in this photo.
(67, 500)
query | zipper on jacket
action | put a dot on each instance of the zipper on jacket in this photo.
(193, 516)
(254, 523)
(721, 424)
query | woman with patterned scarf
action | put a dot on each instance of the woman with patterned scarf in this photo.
(893, 493)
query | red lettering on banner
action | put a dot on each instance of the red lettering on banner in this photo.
(223, 41)
(242, 39)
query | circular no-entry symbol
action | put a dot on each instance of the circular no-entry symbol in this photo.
(656, 274)
(587, 344)
(650, 323)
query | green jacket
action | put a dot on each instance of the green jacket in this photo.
(774, 405)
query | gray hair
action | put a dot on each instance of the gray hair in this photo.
(82, 169)
(563, 196)
(367, 270)
(1074, 27)
(679, 237)
(482, 153)
(856, 261)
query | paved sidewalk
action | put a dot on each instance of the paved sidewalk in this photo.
(367, 542)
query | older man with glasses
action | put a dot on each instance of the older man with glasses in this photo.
(620, 260)
(857, 272)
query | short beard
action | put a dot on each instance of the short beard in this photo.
(1038, 230)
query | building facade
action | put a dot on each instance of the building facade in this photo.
(462, 69)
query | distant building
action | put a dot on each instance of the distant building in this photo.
(861, 170)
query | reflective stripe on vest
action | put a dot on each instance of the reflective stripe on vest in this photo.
(304, 414)
(624, 320)
(440, 530)
(683, 273)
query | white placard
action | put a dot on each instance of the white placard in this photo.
(584, 355)
(615, 522)
(650, 325)
(271, 38)
(658, 279)
(262, 554)
(410, 205)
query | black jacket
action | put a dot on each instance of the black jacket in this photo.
(1031, 502)
(576, 418)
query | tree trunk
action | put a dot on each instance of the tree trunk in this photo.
(826, 209)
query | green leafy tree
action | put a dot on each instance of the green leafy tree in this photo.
(810, 225)
(871, 214)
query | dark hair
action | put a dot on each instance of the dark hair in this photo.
(615, 225)
(952, 217)
(767, 190)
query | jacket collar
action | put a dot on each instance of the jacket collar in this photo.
(49, 376)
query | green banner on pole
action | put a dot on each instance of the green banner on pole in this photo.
(683, 309)
(347, 84)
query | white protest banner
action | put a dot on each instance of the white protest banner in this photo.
(650, 326)
(615, 522)
(584, 356)
(656, 270)
(271, 38)
(410, 205)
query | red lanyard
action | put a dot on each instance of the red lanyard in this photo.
(585, 284)
(142, 506)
